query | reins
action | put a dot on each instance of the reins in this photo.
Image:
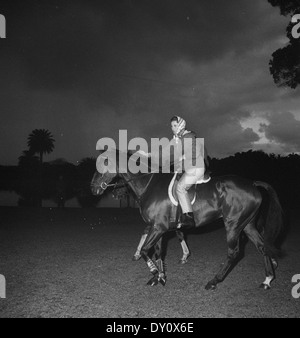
(116, 186)
(104, 185)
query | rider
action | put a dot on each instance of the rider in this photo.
(190, 157)
(191, 172)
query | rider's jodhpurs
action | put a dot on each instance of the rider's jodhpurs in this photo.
(190, 177)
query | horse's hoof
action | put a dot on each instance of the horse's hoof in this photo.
(183, 261)
(136, 258)
(153, 281)
(162, 281)
(210, 286)
(265, 286)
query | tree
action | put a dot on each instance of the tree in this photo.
(286, 6)
(285, 62)
(122, 193)
(86, 169)
(28, 160)
(28, 186)
(59, 180)
(41, 142)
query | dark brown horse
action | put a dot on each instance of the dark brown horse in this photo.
(244, 205)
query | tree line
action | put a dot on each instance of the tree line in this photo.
(282, 172)
(58, 181)
(62, 181)
(34, 180)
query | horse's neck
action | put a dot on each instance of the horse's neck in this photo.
(138, 182)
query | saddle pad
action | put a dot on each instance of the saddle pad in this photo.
(203, 180)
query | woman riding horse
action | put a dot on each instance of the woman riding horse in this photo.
(244, 205)
(190, 160)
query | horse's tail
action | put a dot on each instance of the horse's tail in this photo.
(273, 225)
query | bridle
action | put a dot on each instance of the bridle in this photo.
(104, 185)
(118, 185)
(125, 183)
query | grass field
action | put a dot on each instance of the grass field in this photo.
(77, 263)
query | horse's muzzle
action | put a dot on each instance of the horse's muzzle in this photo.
(99, 189)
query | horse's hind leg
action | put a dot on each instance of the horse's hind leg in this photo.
(270, 263)
(159, 262)
(232, 255)
(185, 249)
(137, 254)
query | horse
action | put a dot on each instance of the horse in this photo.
(247, 206)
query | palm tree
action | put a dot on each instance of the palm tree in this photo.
(40, 141)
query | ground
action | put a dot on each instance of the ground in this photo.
(77, 263)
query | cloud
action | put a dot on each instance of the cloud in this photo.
(230, 138)
(89, 44)
(284, 129)
(86, 69)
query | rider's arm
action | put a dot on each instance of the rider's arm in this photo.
(164, 156)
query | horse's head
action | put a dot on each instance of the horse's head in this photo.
(110, 164)
(106, 172)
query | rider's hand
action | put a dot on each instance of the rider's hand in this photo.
(143, 153)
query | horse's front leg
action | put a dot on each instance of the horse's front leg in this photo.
(185, 249)
(137, 254)
(156, 268)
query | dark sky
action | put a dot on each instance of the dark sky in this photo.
(85, 69)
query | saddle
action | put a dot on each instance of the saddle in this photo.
(176, 209)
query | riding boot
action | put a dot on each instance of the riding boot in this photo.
(187, 220)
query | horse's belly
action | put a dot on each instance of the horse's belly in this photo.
(205, 213)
